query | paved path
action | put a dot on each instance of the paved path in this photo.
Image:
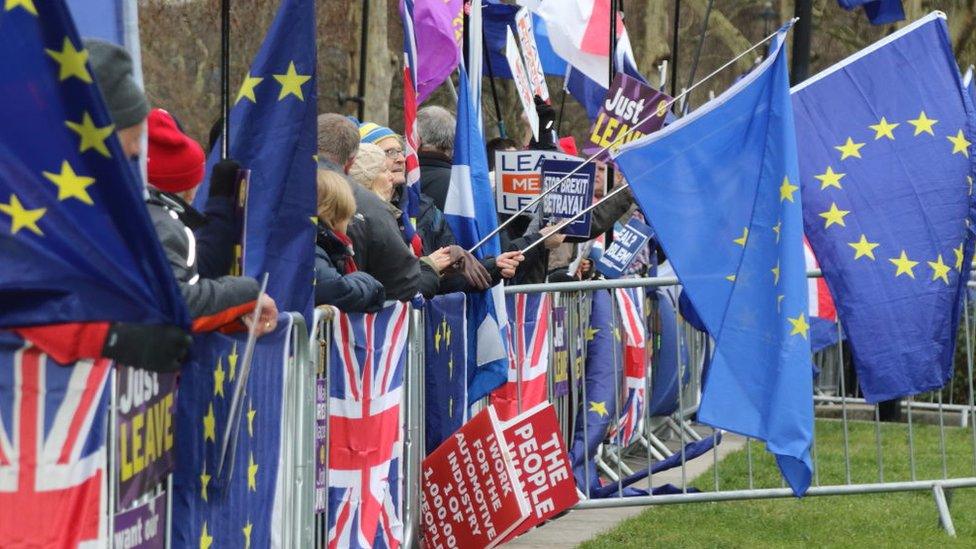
(578, 526)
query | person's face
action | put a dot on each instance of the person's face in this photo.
(383, 185)
(395, 159)
(600, 181)
(131, 140)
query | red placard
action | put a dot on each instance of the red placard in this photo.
(542, 465)
(471, 497)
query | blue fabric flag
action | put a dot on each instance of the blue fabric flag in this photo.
(604, 365)
(879, 12)
(446, 380)
(667, 356)
(884, 144)
(720, 187)
(103, 19)
(76, 242)
(498, 17)
(241, 512)
(470, 211)
(273, 134)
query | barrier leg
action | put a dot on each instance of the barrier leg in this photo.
(942, 505)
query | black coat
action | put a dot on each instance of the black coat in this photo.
(351, 292)
(435, 176)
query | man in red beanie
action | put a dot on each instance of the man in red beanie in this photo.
(199, 247)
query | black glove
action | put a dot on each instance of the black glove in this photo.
(155, 347)
(224, 177)
(547, 126)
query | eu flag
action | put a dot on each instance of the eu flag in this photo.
(245, 511)
(885, 164)
(720, 187)
(446, 367)
(76, 242)
(272, 133)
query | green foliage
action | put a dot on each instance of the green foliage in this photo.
(886, 520)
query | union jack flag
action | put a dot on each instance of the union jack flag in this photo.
(52, 450)
(411, 196)
(821, 303)
(368, 355)
(630, 303)
(529, 352)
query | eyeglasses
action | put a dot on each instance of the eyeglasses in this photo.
(393, 153)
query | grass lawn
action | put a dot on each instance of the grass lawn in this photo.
(879, 520)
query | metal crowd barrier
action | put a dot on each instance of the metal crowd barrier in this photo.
(664, 436)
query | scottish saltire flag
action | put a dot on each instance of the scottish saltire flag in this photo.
(528, 316)
(445, 368)
(599, 405)
(879, 12)
(273, 134)
(632, 317)
(470, 212)
(410, 203)
(732, 228)
(76, 242)
(367, 358)
(438, 27)
(245, 509)
(886, 172)
(53, 420)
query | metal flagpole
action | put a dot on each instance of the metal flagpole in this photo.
(698, 52)
(363, 44)
(620, 139)
(612, 72)
(675, 29)
(224, 78)
(491, 82)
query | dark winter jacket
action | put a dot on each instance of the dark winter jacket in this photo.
(338, 282)
(212, 302)
(435, 176)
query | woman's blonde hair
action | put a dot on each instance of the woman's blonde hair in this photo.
(370, 162)
(335, 199)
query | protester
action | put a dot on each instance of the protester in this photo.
(392, 146)
(153, 347)
(378, 242)
(174, 170)
(338, 282)
(435, 130)
(370, 170)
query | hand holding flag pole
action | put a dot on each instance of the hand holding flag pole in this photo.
(229, 441)
(619, 140)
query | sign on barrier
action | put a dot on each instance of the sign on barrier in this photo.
(560, 358)
(144, 428)
(321, 443)
(541, 464)
(143, 527)
(471, 497)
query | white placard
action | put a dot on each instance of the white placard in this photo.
(523, 22)
(521, 77)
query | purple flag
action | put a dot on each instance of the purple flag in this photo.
(438, 26)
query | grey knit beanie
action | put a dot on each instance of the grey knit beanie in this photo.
(112, 66)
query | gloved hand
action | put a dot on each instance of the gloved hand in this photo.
(469, 267)
(155, 347)
(547, 126)
(223, 177)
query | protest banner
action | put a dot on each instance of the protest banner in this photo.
(627, 242)
(143, 527)
(522, 85)
(518, 178)
(321, 443)
(574, 194)
(144, 431)
(560, 356)
(541, 463)
(628, 102)
(530, 51)
(471, 495)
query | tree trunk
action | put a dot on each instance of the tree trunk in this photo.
(380, 66)
(725, 31)
(653, 46)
